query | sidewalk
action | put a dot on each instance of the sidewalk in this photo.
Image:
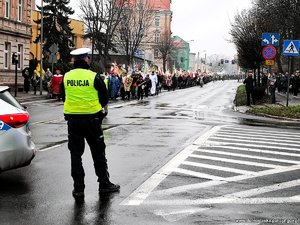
(281, 99)
(28, 97)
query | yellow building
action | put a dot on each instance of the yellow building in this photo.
(76, 25)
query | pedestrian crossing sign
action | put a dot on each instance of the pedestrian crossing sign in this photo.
(291, 47)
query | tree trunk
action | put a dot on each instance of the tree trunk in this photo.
(258, 75)
(164, 64)
(254, 71)
(279, 64)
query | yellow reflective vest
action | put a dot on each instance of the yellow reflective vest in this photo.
(81, 95)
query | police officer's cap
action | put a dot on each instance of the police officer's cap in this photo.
(80, 53)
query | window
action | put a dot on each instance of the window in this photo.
(20, 10)
(7, 9)
(156, 37)
(6, 55)
(20, 56)
(156, 53)
(74, 39)
(157, 21)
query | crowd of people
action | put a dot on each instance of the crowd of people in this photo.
(50, 82)
(283, 83)
(138, 85)
(122, 84)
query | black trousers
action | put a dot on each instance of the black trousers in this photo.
(90, 130)
(249, 97)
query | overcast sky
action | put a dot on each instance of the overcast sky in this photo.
(207, 22)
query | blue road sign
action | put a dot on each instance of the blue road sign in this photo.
(269, 52)
(270, 39)
(291, 47)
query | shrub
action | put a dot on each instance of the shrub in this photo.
(240, 97)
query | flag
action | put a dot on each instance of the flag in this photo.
(38, 70)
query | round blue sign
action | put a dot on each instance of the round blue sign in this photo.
(269, 52)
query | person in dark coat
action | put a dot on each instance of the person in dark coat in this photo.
(296, 83)
(174, 82)
(27, 77)
(249, 85)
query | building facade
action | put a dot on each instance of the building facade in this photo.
(15, 37)
(182, 54)
(161, 25)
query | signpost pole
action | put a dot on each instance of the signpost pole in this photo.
(16, 78)
(289, 78)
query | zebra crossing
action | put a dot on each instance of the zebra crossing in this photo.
(228, 165)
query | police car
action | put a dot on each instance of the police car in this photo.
(16, 146)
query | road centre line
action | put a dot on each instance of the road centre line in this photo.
(239, 129)
(144, 190)
(49, 148)
(249, 156)
(222, 168)
(256, 141)
(242, 162)
(259, 151)
(242, 136)
(219, 143)
(47, 121)
(190, 187)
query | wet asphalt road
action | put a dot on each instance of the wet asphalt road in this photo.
(182, 157)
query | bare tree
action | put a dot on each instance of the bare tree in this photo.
(101, 19)
(246, 37)
(137, 17)
(277, 16)
(165, 46)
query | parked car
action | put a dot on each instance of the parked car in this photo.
(16, 146)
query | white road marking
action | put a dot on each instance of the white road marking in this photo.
(258, 137)
(205, 136)
(250, 156)
(47, 121)
(173, 215)
(222, 168)
(230, 129)
(52, 147)
(262, 190)
(218, 143)
(197, 174)
(190, 187)
(36, 101)
(242, 162)
(143, 191)
(259, 151)
(269, 143)
(248, 201)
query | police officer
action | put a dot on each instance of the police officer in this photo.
(84, 96)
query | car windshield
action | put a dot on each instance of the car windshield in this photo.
(7, 97)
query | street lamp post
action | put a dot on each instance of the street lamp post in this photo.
(41, 44)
